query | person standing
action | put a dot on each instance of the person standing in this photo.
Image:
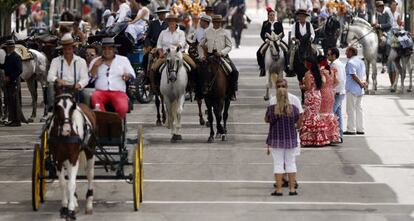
(13, 68)
(355, 85)
(333, 57)
(283, 118)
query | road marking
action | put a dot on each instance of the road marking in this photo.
(208, 181)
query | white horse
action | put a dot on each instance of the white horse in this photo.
(364, 34)
(33, 70)
(403, 65)
(274, 60)
(173, 86)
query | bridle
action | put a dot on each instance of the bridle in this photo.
(173, 65)
(358, 39)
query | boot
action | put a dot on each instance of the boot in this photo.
(262, 72)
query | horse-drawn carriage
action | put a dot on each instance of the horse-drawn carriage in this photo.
(111, 154)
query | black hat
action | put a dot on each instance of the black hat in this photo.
(302, 12)
(162, 10)
(208, 9)
(109, 42)
(9, 42)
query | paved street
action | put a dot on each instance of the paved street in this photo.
(368, 177)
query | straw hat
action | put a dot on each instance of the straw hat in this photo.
(67, 41)
(109, 42)
(171, 17)
(379, 3)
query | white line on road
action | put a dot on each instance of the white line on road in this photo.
(207, 181)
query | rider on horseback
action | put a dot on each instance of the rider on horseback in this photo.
(302, 30)
(383, 24)
(269, 26)
(217, 42)
(172, 36)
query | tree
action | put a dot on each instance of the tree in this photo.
(7, 7)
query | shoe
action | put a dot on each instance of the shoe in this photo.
(293, 193)
(360, 132)
(13, 124)
(349, 133)
(276, 194)
(262, 73)
(233, 97)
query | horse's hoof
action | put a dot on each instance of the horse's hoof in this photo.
(89, 211)
(266, 98)
(202, 122)
(223, 137)
(210, 139)
(71, 216)
(173, 139)
(158, 123)
(218, 136)
(63, 212)
(163, 120)
(178, 137)
(392, 90)
(409, 90)
(207, 123)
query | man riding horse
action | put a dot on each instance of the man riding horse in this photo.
(269, 26)
(383, 25)
(217, 42)
(302, 36)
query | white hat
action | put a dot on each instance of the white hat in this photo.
(206, 18)
(107, 12)
(66, 40)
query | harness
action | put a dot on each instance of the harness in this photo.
(358, 39)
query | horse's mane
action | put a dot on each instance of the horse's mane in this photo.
(361, 22)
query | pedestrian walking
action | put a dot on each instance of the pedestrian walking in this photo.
(333, 57)
(355, 85)
(282, 141)
(13, 68)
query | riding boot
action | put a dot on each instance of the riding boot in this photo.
(234, 76)
(260, 62)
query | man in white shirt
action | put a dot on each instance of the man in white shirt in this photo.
(111, 71)
(124, 12)
(333, 57)
(218, 42)
(205, 21)
(67, 69)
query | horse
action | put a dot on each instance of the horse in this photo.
(159, 99)
(329, 33)
(72, 144)
(173, 86)
(217, 98)
(364, 34)
(193, 52)
(274, 60)
(237, 24)
(34, 70)
(401, 58)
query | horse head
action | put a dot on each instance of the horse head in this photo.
(193, 49)
(174, 62)
(274, 45)
(63, 110)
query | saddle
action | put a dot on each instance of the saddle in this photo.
(23, 52)
(225, 64)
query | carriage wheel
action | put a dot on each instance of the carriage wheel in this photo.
(141, 162)
(44, 149)
(143, 92)
(36, 168)
(137, 173)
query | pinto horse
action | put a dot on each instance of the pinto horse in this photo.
(217, 98)
(72, 145)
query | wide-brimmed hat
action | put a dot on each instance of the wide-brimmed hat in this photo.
(162, 10)
(208, 9)
(206, 18)
(379, 3)
(217, 18)
(302, 12)
(67, 41)
(171, 17)
(109, 42)
(9, 43)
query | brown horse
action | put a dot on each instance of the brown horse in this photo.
(155, 87)
(193, 52)
(217, 98)
(72, 144)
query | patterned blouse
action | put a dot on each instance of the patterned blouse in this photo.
(282, 131)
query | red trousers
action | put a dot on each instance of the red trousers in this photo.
(118, 99)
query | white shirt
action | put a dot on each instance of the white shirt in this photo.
(60, 69)
(168, 39)
(199, 34)
(395, 15)
(303, 4)
(217, 39)
(110, 21)
(293, 100)
(302, 30)
(341, 76)
(123, 13)
(110, 78)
